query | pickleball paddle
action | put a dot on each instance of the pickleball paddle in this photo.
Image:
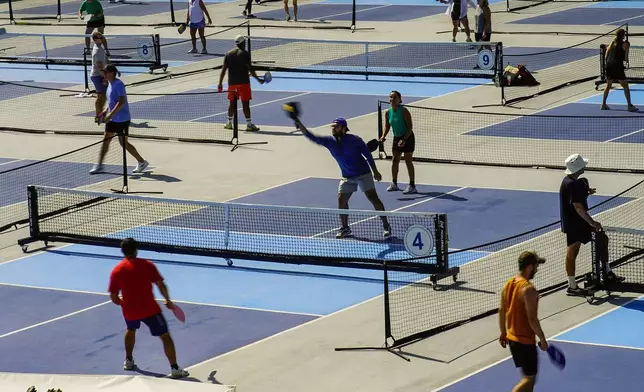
(557, 357)
(178, 313)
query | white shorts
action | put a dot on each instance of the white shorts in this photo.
(350, 185)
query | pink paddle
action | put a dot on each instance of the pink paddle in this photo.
(178, 313)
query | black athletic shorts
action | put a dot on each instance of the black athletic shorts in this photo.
(583, 235)
(615, 71)
(525, 357)
(410, 144)
(96, 23)
(456, 11)
(120, 128)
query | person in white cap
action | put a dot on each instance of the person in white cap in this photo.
(237, 62)
(575, 220)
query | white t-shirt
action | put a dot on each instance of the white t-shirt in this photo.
(98, 55)
(196, 13)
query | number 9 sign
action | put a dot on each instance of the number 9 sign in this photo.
(419, 241)
(485, 59)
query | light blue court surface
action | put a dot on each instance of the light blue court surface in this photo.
(616, 97)
(603, 354)
(394, 2)
(633, 4)
(241, 303)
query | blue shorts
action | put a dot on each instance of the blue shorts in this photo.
(198, 25)
(98, 84)
(157, 324)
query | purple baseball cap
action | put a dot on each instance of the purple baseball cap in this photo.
(340, 121)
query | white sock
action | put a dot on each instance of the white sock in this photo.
(572, 283)
(230, 120)
(248, 121)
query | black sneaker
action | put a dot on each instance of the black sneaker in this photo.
(611, 277)
(344, 232)
(577, 292)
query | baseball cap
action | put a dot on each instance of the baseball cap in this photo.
(529, 257)
(239, 39)
(340, 121)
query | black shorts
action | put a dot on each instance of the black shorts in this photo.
(96, 23)
(120, 128)
(479, 37)
(525, 357)
(157, 324)
(456, 11)
(579, 235)
(615, 71)
(410, 144)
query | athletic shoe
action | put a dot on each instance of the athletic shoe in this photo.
(386, 231)
(453, 39)
(288, 17)
(613, 278)
(295, 19)
(244, 12)
(140, 167)
(577, 291)
(96, 169)
(179, 373)
(252, 127)
(605, 107)
(632, 108)
(344, 232)
(468, 40)
(410, 189)
(129, 364)
(393, 187)
(250, 16)
(204, 51)
(228, 126)
(193, 50)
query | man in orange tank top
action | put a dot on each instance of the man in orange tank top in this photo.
(519, 322)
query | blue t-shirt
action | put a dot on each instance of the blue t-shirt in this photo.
(351, 153)
(116, 90)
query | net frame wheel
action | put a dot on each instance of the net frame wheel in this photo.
(590, 299)
(24, 248)
(229, 262)
(455, 278)
(165, 69)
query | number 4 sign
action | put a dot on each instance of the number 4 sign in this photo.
(419, 241)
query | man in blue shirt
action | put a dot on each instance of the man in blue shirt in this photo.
(356, 163)
(117, 120)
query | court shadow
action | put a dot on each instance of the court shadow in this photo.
(145, 125)
(148, 373)
(154, 177)
(459, 286)
(299, 21)
(272, 133)
(438, 195)
(213, 379)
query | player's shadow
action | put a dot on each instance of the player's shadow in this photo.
(144, 125)
(162, 375)
(437, 195)
(154, 177)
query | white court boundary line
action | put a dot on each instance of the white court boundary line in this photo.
(599, 344)
(553, 337)
(157, 299)
(54, 319)
(253, 106)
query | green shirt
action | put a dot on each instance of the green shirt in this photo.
(397, 121)
(93, 8)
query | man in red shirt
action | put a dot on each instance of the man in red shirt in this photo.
(133, 278)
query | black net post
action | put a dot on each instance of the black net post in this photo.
(353, 15)
(11, 12)
(124, 150)
(32, 197)
(59, 13)
(156, 42)
(381, 147)
(86, 71)
(388, 334)
(235, 120)
(602, 62)
(172, 19)
(250, 56)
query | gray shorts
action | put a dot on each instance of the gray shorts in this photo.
(350, 185)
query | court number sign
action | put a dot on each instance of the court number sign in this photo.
(145, 50)
(419, 241)
(486, 59)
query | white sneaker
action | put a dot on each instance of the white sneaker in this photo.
(386, 231)
(393, 187)
(140, 167)
(251, 127)
(179, 373)
(129, 364)
(228, 126)
(193, 51)
(410, 189)
(96, 169)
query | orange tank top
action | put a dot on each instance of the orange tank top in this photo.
(516, 316)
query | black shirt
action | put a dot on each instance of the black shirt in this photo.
(238, 62)
(573, 191)
(616, 55)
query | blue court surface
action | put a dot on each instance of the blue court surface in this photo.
(628, 130)
(613, 13)
(69, 315)
(602, 354)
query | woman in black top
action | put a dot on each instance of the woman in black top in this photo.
(616, 55)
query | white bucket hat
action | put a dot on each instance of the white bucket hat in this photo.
(575, 163)
(239, 39)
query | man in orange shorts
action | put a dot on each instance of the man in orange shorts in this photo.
(238, 62)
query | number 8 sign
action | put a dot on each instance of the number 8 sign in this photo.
(145, 49)
(419, 241)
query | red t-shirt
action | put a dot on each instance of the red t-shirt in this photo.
(133, 278)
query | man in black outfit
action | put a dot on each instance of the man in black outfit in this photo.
(575, 220)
